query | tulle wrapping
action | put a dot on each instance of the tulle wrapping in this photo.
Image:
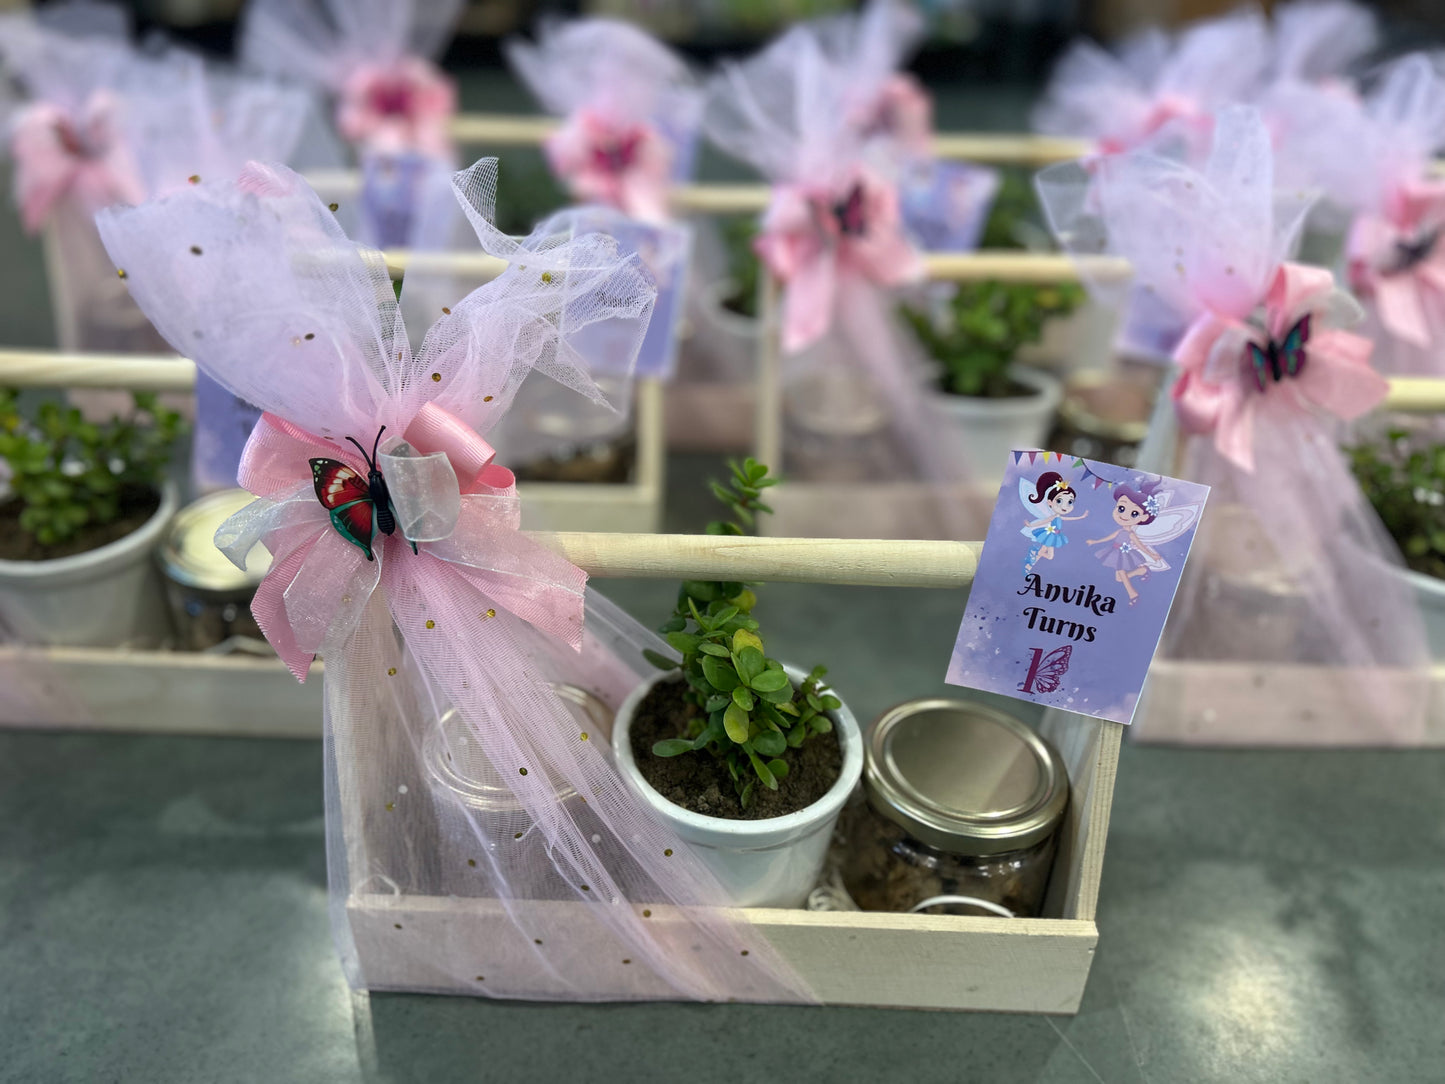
(1121, 100)
(857, 403)
(631, 110)
(374, 56)
(456, 777)
(1290, 567)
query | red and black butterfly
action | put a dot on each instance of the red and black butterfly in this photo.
(359, 506)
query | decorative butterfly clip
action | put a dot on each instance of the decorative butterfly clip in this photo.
(1276, 360)
(849, 213)
(359, 507)
(1415, 251)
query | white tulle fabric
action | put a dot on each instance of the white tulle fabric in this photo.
(440, 665)
(1291, 567)
(1321, 41)
(1121, 100)
(856, 400)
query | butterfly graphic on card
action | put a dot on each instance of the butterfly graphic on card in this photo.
(1046, 671)
(359, 506)
(1276, 360)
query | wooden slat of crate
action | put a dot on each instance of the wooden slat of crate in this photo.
(160, 692)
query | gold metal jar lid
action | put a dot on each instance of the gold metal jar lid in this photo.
(964, 777)
(458, 762)
(188, 553)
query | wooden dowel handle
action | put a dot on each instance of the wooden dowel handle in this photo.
(858, 562)
(145, 372)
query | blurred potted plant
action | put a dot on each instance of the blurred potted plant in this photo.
(84, 507)
(975, 335)
(711, 402)
(748, 759)
(1404, 478)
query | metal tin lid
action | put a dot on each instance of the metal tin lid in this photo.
(188, 553)
(964, 777)
(457, 761)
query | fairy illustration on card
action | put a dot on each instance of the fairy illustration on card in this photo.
(1050, 498)
(1146, 517)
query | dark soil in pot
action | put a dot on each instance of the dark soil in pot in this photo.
(137, 505)
(1002, 387)
(606, 462)
(701, 783)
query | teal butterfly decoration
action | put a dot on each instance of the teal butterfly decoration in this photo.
(1276, 360)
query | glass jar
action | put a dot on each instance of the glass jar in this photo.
(960, 813)
(209, 597)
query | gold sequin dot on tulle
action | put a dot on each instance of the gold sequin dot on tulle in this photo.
(309, 336)
(627, 961)
(745, 952)
(522, 770)
(194, 178)
(472, 862)
(488, 614)
(518, 835)
(646, 914)
(584, 735)
(667, 853)
(430, 623)
(390, 806)
(481, 978)
(333, 206)
(586, 889)
(446, 311)
(120, 271)
(195, 250)
(436, 378)
(485, 398)
(546, 276)
(391, 671)
(537, 940)
(397, 925)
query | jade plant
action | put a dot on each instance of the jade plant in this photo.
(977, 333)
(1404, 480)
(69, 474)
(749, 715)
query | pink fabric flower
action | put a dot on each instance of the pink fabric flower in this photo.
(59, 154)
(619, 164)
(1138, 125)
(1218, 391)
(393, 109)
(1396, 261)
(813, 237)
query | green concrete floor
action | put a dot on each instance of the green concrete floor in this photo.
(1265, 916)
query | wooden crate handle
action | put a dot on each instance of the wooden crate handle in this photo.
(847, 561)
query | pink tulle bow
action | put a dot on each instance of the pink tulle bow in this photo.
(402, 107)
(58, 154)
(811, 237)
(319, 583)
(1218, 390)
(621, 164)
(1396, 261)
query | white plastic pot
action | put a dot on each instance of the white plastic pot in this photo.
(989, 428)
(773, 862)
(1431, 594)
(107, 597)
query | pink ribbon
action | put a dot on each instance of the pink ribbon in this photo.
(399, 108)
(903, 113)
(812, 237)
(619, 164)
(58, 154)
(319, 583)
(1396, 262)
(1217, 390)
(1164, 110)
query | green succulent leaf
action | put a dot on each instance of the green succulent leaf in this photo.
(768, 681)
(672, 747)
(719, 674)
(736, 722)
(659, 660)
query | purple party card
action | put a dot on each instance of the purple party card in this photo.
(1077, 575)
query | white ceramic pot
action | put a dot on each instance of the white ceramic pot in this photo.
(773, 862)
(989, 428)
(107, 597)
(1431, 594)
